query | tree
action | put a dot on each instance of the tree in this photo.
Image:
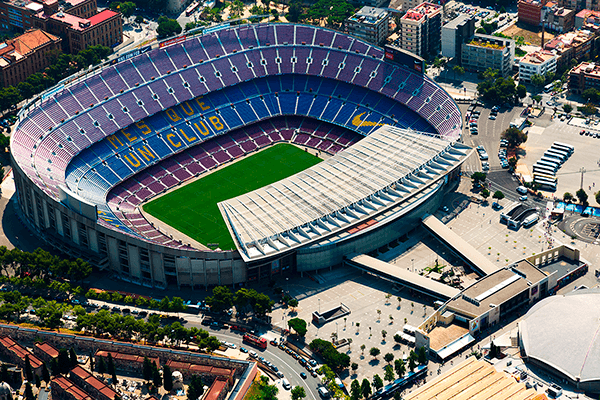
(567, 108)
(458, 70)
(493, 350)
(73, 358)
(146, 369)
(521, 91)
(294, 11)
(101, 366)
(355, 390)
(167, 378)
(567, 197)
(389, 373)
(29, 392)
(167, 27)
(195, 388)
(477, 177)
(45, 373)
(354, 366)
(537, 98)
(156, 378)
(388, 357)
(112, 370)
(422, 356)
(221, 300)
(498, 195)
(400, 367)
(377, 382)
(582, 196)
(597, 195)
(412, 364)
(588, 109)
(365, 388)
(298, 325)
(4, 377)
(383, 334)
(497, 89)
(139, 19)
(485, 194)
(374, 352)
(591, 94)
(362, 348)
(538, 80)
(514, 136)
(397, 338)
(298, 393)
(54, 368)
(334, 359)
(28, 369)
(38, 383)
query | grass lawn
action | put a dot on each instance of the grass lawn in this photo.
(193, 209)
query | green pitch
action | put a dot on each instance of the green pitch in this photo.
(193, 209)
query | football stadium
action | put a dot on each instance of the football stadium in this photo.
(264, 148)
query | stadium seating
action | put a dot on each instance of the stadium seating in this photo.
(86, 136)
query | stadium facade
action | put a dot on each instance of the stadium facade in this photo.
(88, 153)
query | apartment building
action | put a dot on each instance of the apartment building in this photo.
(25, 55)
(584, 76)
(421, 29)
(558, 19)
(370, 24)
(573, 45)
(486, 51)
(454, 34)
(530, 11)
(585, 17)
(541, 62)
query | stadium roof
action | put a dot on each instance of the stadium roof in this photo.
(383, 169)
(476, 380)
(562, 332)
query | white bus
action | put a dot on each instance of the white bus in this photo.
(570, 149)
(551, 160)
(543, 170)
(544, 164)
(560, 151)
(549, 154)
(537, 175)
(561, 155)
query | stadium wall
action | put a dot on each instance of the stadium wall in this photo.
(129, 258)
(317, 256)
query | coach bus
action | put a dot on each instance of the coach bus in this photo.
(556, 157)
(547, 185)
(544, 182)
(567, 147)
(543, 170)
(550, 161)
(537, 175)
(550, 166)
(561, 154)
(256, 341)
(558, 150)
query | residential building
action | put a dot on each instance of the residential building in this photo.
(530, 11)
(370, 24)
(20, 14)
(421, 29)
(26, 55)
(572, 45)
(104, 28)
(454, 34)
(585, 17)
(541, 62)
(579, 5)
(206, 371)
(584, 76)
(558, 19)
(486, 51)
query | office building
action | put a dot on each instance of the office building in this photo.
(486, 51)
(541, 62)
(25, 55)
(454, 34)
(370, 24)
(421, 29)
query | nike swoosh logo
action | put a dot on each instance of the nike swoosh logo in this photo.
(356, 121)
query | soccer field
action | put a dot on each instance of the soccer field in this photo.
(193, 209)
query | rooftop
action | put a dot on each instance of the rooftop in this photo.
(16, 49)
(78, 23)
(588, 13)
(539, 57)
(215, 389)
(532, 2)
(476, 380)
(70, 387)
(20, 351)
(458, 21)
(48, 349)
(424, 9)
(369, 15)
(494, 289)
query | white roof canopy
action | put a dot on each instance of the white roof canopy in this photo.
(381, 170)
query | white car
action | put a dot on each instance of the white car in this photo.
(252, 354)
(493, 117)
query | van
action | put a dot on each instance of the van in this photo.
(286, 384)
(324, 393)
(522, 190)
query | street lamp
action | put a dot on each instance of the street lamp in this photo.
(413, 264)
(319, 306)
